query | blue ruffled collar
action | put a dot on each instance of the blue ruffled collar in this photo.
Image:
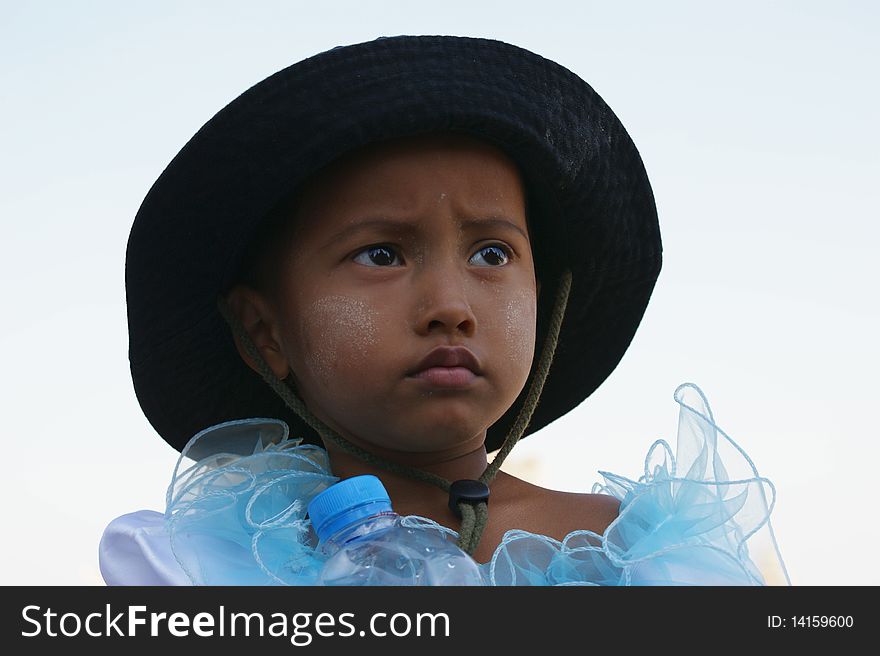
(239, 517)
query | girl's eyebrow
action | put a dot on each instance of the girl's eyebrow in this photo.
(406, 227)
(360, 226)
(493, 222)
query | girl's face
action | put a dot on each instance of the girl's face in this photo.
(399, 249)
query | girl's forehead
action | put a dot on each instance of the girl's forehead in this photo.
(412, 178)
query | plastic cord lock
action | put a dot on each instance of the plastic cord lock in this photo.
(468, 491)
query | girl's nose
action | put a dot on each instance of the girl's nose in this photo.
(443, 305)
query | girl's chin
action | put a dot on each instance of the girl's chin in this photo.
(454, 428)
(417, 443)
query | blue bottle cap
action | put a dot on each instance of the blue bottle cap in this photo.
(346, 502)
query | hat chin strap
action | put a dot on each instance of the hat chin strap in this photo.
(472, 508)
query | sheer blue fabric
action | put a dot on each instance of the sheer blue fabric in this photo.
(239, 518)
(687, 520)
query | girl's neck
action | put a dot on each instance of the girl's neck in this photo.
(410, 496)
(467, 465)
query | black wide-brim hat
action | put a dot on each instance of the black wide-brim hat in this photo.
(590, 209)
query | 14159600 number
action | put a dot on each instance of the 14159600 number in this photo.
(810, 622)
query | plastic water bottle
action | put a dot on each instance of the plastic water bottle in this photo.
(367, 543)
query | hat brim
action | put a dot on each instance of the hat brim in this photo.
(591, 207)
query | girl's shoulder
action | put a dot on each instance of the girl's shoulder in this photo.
(576, 511)
(556, 513)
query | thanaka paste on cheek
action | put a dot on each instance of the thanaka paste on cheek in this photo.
(519, 328)
(339, 331)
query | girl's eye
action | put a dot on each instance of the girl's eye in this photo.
(493, 255)
(376, 256)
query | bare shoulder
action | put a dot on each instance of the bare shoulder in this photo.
(556, 513)
(593, 512)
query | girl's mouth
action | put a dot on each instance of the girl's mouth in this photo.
(449, 377)
(447, 367)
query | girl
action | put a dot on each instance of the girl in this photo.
(411, 251)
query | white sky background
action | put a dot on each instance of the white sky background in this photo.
(757, 122)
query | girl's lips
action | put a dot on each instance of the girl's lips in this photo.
(454, 377)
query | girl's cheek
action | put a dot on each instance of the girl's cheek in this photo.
(519, 317)
(339, 333)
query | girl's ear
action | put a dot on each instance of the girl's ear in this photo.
(260, 321)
